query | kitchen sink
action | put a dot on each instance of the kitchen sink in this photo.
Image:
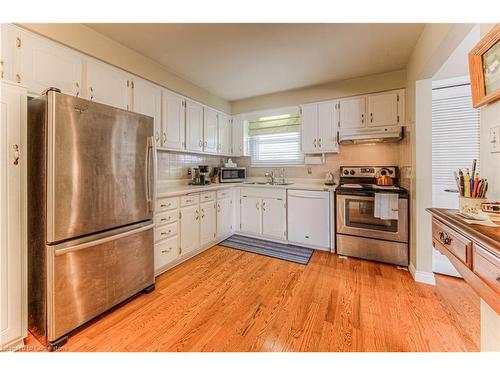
(268, 183)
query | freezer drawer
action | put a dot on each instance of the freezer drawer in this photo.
(86, 279)
(309, 218)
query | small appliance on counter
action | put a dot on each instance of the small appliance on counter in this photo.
(236, 174)
(329, 180)
(200, 175)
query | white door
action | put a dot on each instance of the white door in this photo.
(250, 215)
(107, 84)
(238, 134)
(383, 109)
(327, 127)
(173, 121)
(208, 220)
(190, 228)
(194, 126)
(147, 101)
(12, 215)
(45, 64)
(274, 218)
(210, 130)
(309, 128)
(352, 113)
(224, 134)
(224, 217)
(455, 143)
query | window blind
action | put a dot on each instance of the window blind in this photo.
(455, 133)
(275, 140)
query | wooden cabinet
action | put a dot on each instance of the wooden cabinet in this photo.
(238, 136)
(487, 267)
(210, 133)
(13, 256)
(382, 109)
(319, 127)
(173, 121)
(224, 134)
(224, 217)
(194, 126)
(107, 84)
(352, 113)
(208, 220)
(190, 228)
(146, 99)
(273, 218)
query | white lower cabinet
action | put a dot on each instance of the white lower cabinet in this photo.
(166, 251)
(208, 220)
(13, 257)
(224, 217)
(273, 218)
(250, 215)
(190, 228)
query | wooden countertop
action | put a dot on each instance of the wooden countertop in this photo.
(487, 237)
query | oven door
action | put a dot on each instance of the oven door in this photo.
(355, 217)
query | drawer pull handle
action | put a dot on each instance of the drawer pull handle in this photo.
(444, 238)
(498, 279)
(165, 233)
(166, 204)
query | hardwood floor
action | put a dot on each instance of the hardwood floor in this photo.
(229, 300)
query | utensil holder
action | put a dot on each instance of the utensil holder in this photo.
(471, 206)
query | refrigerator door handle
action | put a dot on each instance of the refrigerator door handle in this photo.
(151, 173)
(102, 240)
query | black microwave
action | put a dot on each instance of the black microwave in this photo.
(237, 174)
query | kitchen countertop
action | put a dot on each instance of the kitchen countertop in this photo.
(169, 189)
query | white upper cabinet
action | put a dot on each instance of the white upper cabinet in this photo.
(309, 126)
(224, 134)
(194, 126)
(173, 121)
(352, 113)
(328, 126)
(382, 109)
(107, 84)
(319, 123)
(147, 101)
(7, 51)
(210, 134)
(237, 135)
(38, 63)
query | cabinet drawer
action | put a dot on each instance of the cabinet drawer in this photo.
(189, 200)
(226, 193)
(164, 204)
(487, 267)
(207, 196)
(458, 245)
(166, 217)
(165, 231)
(166, 251)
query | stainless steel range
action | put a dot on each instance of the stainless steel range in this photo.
(360, 233)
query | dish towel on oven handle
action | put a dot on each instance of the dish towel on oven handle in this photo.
(386, 206)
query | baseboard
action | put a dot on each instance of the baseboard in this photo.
(422, 276)
(12, 346)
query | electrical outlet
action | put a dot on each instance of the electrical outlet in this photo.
(495, 139)
(309, 170)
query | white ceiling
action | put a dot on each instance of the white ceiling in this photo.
(237, 61)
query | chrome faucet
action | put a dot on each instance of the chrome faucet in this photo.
(271, 176)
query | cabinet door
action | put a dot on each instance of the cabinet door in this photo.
(194, 126)
(107, 85)
(147, 101)
(309, 126)
(208, 220)
(250, 215)
(12, 221)
(383, 109)
(237, 135)
(273, 218)
(352, 113)
(44, 64)
(166, 251)
(224, 134)
(210, 130)
(8, 52)
(173, 121)
(224, 217)
(190, 228)
(327, 127)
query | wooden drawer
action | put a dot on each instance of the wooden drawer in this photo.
(189, 200)
(165, 231)
(164, 204)
(486, 266)
(166, 217)
(207, 196)
(454, 242)
(226, 193)
(166, 251)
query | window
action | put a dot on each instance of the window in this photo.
(275, 140)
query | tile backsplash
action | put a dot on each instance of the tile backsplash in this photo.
(175, 165)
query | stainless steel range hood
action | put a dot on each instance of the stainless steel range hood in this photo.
(371, 135)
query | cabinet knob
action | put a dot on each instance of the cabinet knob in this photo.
(16, 154)
(371, 117)
(77, 86)
(362, 118)
(164, 137)
(1, 67)
(91, 93)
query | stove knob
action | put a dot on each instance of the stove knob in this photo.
(390, 171)
(346, 172)
(383, 172)
(352, 172)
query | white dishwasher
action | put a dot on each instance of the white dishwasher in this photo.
(309, 218)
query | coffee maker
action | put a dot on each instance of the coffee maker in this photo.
(200, 175)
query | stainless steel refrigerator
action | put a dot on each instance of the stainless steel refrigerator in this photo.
(91, 190)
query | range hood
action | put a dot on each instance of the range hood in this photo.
(371, 135)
